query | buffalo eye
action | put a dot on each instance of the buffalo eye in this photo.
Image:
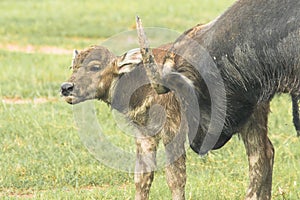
(95, 68)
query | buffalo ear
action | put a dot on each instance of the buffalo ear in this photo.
(129, 60)
(75, 54)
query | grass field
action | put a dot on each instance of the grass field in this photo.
(41, 154)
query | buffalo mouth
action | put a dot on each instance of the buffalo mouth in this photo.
(75, 99)
(67, 91)
(72, 99)
(73, 95)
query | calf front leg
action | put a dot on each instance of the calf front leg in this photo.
(145, 165)
(260, 153)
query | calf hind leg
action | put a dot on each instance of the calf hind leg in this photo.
(260, 153)
(176, 166)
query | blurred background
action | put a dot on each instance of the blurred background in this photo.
(41, 155)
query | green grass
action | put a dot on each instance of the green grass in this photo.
(41, 153)
(71, 23)
(32, 75)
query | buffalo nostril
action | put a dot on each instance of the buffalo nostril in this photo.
(66, 88)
